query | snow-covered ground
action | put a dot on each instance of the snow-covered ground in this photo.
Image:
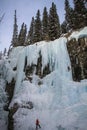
(58, 100)
(79, 34)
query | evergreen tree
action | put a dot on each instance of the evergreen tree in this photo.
(5, 51)
(80, 14)
(45, 25)
(64, 27)
(54, 24)
(30, 37)
(38, 28)
(22, 35)
(0, 55)
(69, 16)
(15, 32)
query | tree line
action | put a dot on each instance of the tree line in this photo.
(76, 17)
(49, 27)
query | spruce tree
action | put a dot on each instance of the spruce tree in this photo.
(54, 24)
(64, 27)
(38, 28)
(80, 14)
(5, 51)
(69, 16)
(30, 37)
(45, 25)
(15, 32)
(22, 35)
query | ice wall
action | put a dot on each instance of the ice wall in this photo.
(54, 52)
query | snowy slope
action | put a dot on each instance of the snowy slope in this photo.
(79, 34)
(58, 100)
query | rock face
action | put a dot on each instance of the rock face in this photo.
(78, 56)
(10, 91)
(77, 50)
(37, 68)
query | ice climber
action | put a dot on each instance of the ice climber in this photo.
(37, 124)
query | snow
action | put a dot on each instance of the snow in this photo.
(58, 100)
(13, 57)
(79, 34)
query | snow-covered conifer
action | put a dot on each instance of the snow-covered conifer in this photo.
(22, 35)
(38, 28)
(15, 32)
(54, 24)
(80, 14)
(45, 24)
(69, 16)
(30, 37)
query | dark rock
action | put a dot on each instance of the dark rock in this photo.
(28, 105)
(78, 55)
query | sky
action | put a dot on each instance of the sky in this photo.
(26, 9)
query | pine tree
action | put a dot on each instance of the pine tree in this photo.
(54, 24)
(22, 35)
(64, 27)
(5, 51)
(15, 32)
(30, 37)
(45, 25)
(80, 14)
(69, 16)
(38, 28)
